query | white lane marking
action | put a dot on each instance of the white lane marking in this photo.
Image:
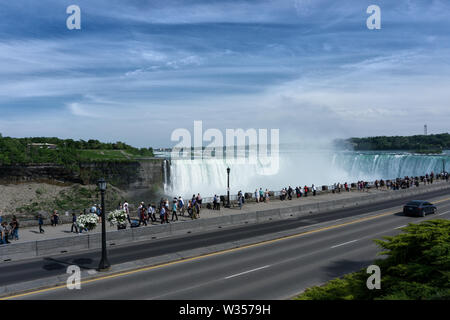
(440, 214)
(343, 244)
(401, 227)
(239, 274)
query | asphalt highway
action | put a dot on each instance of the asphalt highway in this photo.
(42, 267)
(276, 269)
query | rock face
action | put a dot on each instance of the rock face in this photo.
(39, 173)
(148, 174)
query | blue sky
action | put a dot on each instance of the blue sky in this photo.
(137, 70)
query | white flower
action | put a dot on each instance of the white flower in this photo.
(88, 221)
(117, 217)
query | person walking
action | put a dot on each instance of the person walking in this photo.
(166, 206)
(290, 190)
(99, 213)
(240, 200)
(181, 206)
(162, 213)
(151, 213)
(190, 210)
(261, 194)
(41, 223)
(15, 228)
(174, 210)
(199, 200)
(5, 232)
(256, 195)
(197, 210)
(266, 196)
(74, 223)
(216, 205)
(126, 208)
(314, 189)
(142, 215)
(55, 218)
(2, 234)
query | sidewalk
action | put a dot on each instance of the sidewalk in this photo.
(63, 230)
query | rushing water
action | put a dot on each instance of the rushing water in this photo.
(298, 168)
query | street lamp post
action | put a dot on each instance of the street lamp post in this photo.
(104, 263)
(228, 188)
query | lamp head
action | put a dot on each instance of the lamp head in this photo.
(102, 184)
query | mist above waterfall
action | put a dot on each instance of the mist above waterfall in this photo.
(299, 165)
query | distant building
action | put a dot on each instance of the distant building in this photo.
(43, 145)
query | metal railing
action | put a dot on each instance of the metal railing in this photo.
(330, 188)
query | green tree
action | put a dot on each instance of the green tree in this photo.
(416, 267)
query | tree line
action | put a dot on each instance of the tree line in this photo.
(59, 151)
(434, 142)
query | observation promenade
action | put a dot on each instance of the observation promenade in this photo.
(27, 234)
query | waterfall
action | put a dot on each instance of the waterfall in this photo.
(386, 165)
(297, 168)
(165, 174)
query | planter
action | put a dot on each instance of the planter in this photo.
(121, 226)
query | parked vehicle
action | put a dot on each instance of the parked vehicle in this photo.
(419, 208)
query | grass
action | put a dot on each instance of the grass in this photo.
(104, 155)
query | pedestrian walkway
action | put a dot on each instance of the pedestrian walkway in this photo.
(63, 230)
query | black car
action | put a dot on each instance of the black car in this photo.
(419, 208)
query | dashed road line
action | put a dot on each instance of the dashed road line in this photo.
(245, 272)
(343, 244)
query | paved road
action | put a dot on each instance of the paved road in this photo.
(275, 270)
(42, 267)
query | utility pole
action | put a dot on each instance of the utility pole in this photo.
(425, 130)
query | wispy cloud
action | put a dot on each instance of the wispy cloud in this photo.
(275, 64)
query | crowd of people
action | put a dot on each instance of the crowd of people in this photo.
(409, 182)
(168, 211)
(148, 213)
(287, 193)
(8, 231)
